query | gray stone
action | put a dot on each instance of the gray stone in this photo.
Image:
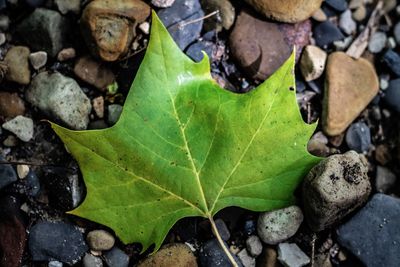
(312, 62)
(60, 97)
(162, 3)
(246, 259)
(38, 59)
(290, 255)
(223, 229)
(56, 241)
(100, 240)
(334, 188)
(4, 22)
(276, 226)
(7, 174)
(396, 32)
(373, 233)
(392, 95)
(116, 258)
(377, 42)
(21, 126)
(317, 145)
(73, 6)
(346, 22)
(91, 261)
(358, 137)
(385, 179)
(114, 112)
(55, 264)
(44, 29)
(254, 245)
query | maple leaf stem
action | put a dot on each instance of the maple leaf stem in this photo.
(221, 242)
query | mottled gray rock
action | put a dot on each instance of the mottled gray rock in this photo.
(91, 261)
(385, 179)
(38, 59)
(334, 188)
(60, 97)
(290, 255)
(276, 226)
(114, 112)
(373, 233)
(246, 259)
(377, 42)
(116, 258)
(73, 6)
(21, 126)
(254, 245)
(55, 264)
(346, 22)
(358, 137)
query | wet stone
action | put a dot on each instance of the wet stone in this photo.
(326, 33)
(358, 137)
(116, 258)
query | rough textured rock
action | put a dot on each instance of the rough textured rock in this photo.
(116, 257)
(91, 261)
(38, 59)
(286, 11)
(18, 65)
(350, 86)
(276, 226)
(254, 245)
(246, 259)
(178, 255)
(290, 255)
(65, 7)
(312, 62)
(11, 105)
(21, 126)
(94, 73)
(60, 97)
(379, 244)
(99, 240)
(334, 188)
(44, 29)
(107, 26)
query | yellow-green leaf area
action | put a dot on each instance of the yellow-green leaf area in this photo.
(183, 147)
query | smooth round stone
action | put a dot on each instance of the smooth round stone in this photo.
(276, 226)
(100, 240)
(358, 137)
(377, 42)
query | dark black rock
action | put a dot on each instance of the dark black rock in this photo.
(175, 18)
(338, 5)
(392, 95)
(326, 33)
(250, 227)
(116, 258)
(3, 4)
(300, 86)
(7, 174)
(56, 241)
(328, 10)
(211, 254)
(223, 229)
(35, 3)
(32, 184)
(195, 50)
(358, 137)
(373, 234)
(392, 60)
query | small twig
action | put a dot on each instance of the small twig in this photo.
(314, 238)
(183, 24)
(359, 45)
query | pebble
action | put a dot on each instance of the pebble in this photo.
(38, 59)
(254, 245)
(338, 5)
(175, 254)
(60, 97)
(396, 32)
(318, 145)
(389, 5)
(31, 184)
(45, 30)
(391, 43)
(342, 45)
(56, 241)
(211, 254)
(114, 112)
(380, 244)
(319, 15)
(73, 6)
(279, 225)
(66, 54)
(3, 38)
(382, 154)
(55, 264)
(346, 22)
(223, 20)
(312, 62)
(12, 231)
(349, 87)
(162, 3)
(377, 42)
(223, 229)
(358, 137)
(91, 261)
(288, 11)
(246, 259)
(180, 12)
(21, 126)
(4, 22)
(326, 33)
(11, 105)
(334, 188)
(290, 255)
(107, 29)
(392, 95)
(360, 13)
(385, 179)
(100, 240)
(22, 170)
(94, 73)
(195, 51)
(392, 60)
(10, 141)
(145, 27)
(116, 258)
(18, 66)
(98, 106)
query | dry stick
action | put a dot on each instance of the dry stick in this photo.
(183, 24)
(314, 238)
(359, 45)
(221, 242)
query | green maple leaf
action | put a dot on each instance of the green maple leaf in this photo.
(183, 146)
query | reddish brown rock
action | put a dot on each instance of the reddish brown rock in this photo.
(94, 73)
(108, 26)
(11, 105)
(350, 86)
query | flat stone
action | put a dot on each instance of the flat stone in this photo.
(94, 72)
(335, 187)
(254, 245)
(246, 259)
(91, 261)
(66, 54)
(312, 62)
(385, 179)
(11, 105)
(350, 86)
(290, 255)
(116, 258)
(21, 126)
(60, 97)
(107, 26)
(45, 30)
(346, 22)
(176, 254)
(358, 137)
(99, 240)
(326, 33)
(38, 59)
(18, 65)
(277, 226)
(380, 244)
(291, 11)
